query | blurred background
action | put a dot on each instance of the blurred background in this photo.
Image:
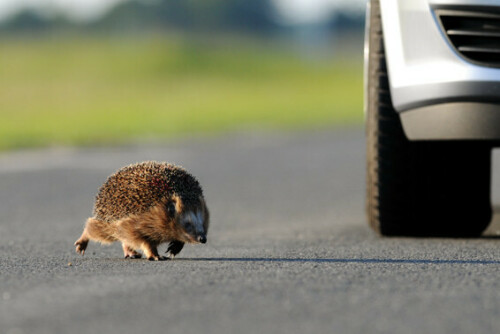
(99, 72)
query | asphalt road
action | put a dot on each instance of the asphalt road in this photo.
(288, 250)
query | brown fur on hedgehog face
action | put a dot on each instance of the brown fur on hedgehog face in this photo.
(189, 221)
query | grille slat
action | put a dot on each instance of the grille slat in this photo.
(474, 33)
(454, 32)
(473, 49)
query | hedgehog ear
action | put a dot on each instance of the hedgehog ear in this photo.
(171, 208)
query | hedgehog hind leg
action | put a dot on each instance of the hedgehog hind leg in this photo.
(96, 230)
(81, 243)
(129, 252)
(151, 252)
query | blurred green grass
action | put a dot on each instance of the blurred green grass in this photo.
(95, 90)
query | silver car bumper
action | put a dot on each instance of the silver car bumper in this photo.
(439, 93)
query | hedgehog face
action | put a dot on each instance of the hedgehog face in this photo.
(193, 221)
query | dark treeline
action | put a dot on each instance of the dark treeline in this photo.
(256, 16)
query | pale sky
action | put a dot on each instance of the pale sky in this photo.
(298, 11)
(303, 11)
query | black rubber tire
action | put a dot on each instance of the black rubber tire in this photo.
(418, 188)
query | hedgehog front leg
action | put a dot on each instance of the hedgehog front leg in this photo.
(174, 248)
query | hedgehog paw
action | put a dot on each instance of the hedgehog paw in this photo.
(81, 245)
(174, 248)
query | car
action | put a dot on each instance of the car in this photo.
(432, 115)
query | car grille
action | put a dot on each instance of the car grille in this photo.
(475, 34)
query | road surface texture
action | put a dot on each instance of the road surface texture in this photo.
(289, 250)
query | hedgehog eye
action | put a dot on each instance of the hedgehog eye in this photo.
(171, 208)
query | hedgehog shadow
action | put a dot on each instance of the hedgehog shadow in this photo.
(342, 260)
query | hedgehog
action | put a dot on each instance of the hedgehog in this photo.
(144, 205)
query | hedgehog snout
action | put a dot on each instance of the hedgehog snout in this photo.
(202, 238)
(193, 224)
